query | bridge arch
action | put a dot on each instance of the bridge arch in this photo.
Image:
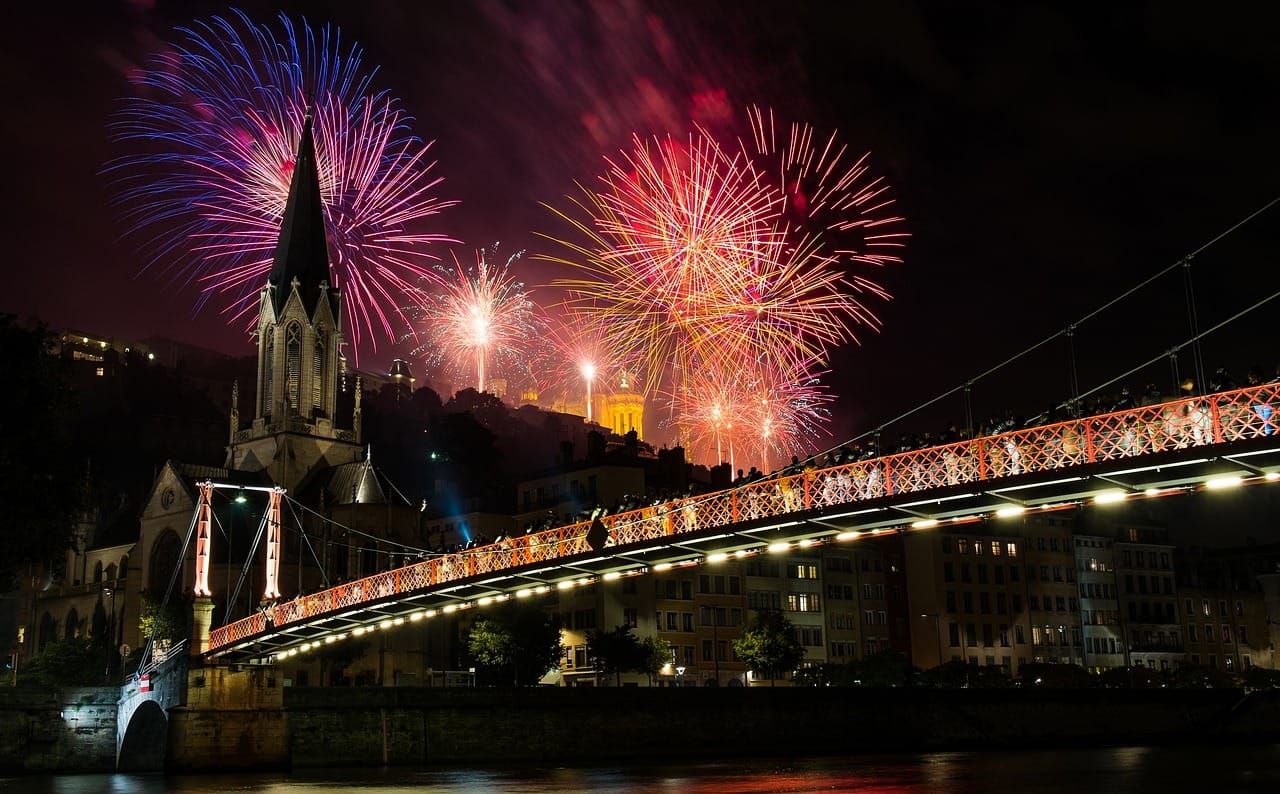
(142, 747)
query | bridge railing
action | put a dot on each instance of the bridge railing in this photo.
(1241, 414)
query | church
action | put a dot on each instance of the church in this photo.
(340, 518)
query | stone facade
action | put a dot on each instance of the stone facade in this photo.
(70, 730)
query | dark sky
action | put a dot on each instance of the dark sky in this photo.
(1047, 158)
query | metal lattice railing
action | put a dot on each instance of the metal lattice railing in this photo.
(1237, 415)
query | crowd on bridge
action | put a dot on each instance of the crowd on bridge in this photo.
(840, 480)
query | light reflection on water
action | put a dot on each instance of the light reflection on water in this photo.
(1097, 771)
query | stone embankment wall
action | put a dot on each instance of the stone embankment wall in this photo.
(233, 720)
(331, 727)
(69, 730)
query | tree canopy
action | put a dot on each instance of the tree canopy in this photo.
(769, 646)
(42, 478)
(517, 642)
(616, 652)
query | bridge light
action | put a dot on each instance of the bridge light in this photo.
(1273, 475)
(524, 593)
(565, 585)
(924, 523)
(416, 616)
(431, 613)
(358, 630)
(399, 621)
(1109, 497)
(1011, 510)
(386, 624)
(330, 640)
(486, 601)
(806, 543)
(450, 608)
(775, 548)
(848, 536)
(611, 575)
(718, 557)
(1219, 483)
(662, 566)
(740, 553)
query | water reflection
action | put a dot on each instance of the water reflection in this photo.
(1097, 771)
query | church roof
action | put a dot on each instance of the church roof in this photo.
(355, 483)
(302, 252)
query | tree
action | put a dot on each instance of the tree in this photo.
(517, 642)
(160, 621)
(615, 652)
(42, 477)
(769, 645)
(658, 653)
(74, 662)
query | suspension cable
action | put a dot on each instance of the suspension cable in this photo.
(1180, 263)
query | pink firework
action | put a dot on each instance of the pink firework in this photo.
(478, 323)
(705, 261)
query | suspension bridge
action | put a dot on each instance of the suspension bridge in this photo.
(1210, 441)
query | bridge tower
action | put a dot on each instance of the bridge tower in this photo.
(295, 430)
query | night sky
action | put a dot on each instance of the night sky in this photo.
(1046, 158)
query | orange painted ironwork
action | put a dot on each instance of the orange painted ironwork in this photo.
(272, 589)
(204, 526)
(1237, 415)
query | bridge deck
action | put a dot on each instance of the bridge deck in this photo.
(1165, 448)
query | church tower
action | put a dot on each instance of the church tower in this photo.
(295, 430)
(622, 410)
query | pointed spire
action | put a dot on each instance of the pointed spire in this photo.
(302, 254)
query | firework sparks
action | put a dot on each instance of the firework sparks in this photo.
(582, 358)
(217, 122)
(479, 323)
(755, 412)
(725, 270)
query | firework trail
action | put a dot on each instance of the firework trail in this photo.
(756, 413)
(216, 124)
(478, 323)
(583, 359)
(727, 268)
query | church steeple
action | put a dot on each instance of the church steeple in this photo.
(295, 427)
(302, 252)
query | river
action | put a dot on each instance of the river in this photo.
(1218, 769)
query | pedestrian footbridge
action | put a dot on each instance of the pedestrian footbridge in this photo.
(1174, 447)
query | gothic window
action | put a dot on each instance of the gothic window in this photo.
(97, 571)
(164, 558)
(72, 628)
(317, 372)
(48, 629)
(293, 364)
(268, 356)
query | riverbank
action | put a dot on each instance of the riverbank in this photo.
(74, 730)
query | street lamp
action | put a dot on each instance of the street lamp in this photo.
(680, 676)
(937, 631)
(111, 634)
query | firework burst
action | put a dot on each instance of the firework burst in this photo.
(478, 323)
(755, 413)
(216, 125)
(727, 272)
